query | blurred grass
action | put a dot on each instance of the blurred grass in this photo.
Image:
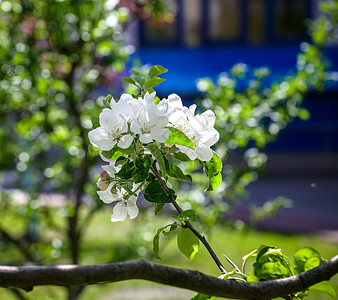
(107, 242)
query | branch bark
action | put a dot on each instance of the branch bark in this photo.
(187, 223)
(68, 275)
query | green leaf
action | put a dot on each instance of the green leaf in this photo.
(214, 182)
(156, 245)
(252, 277)
(142, 167)
(155, 150)
(306, 258)
(181, 156)
(157, 207)
(200, 296)
(138, 79)
(176, 172)
(152, 82)
(253, 253)
(187, 215)
(128, 80)
(135, 72)
(156, 240)
(271, 270)
(172, 228)
(156, 70)
(106, 101)
(187, 242)
(214, 166)
(213, 170)
(126, 171)
(95, 121)
(116, 152)
(155, 193)
(177, 137)
(270, 264)
(121, 160)
(324, 287)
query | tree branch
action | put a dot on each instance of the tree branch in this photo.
(68, 275)
(187, 223)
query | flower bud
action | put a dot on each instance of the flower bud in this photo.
(102, 184)
(104, 176)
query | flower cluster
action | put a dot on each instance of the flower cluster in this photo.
(132, 123)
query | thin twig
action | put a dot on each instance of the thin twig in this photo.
(187, 223)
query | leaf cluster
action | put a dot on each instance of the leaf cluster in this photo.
(271, 263)
(145, 81)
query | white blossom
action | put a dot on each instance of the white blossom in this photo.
(150, 123)
(171, 105)
(124, 208)
(113, 130)
(200, 129)
(110, 194)
(127, 106)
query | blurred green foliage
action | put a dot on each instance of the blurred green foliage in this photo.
(55, 56)
(251, 116)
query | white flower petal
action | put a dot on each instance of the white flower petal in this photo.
(100, 138)
(204, 153)
(149, 98)
(160, 134)
(112, 121)
(109, 120)
(175, 102)
(135, 186)
(188, 151)
(123, 107)
(196, 124)
(210, 137)
(119, 212)
(146, 138)
(179, 120)
(162, 108)
(135, 127)
(106, 196)
(191, 110)
(159, 121)
(111, 161)
(132, 209)
(134, 104)
(110, 169)
(125, 141)
(208, 118)
(145, 115)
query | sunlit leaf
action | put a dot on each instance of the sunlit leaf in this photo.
(324, 287)
(176, 172)
(156, 70)
(153, 82)
(187, 242)
(306, 258)
(177, 137)
(155, 193)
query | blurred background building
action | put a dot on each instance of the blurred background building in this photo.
(207, 37)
